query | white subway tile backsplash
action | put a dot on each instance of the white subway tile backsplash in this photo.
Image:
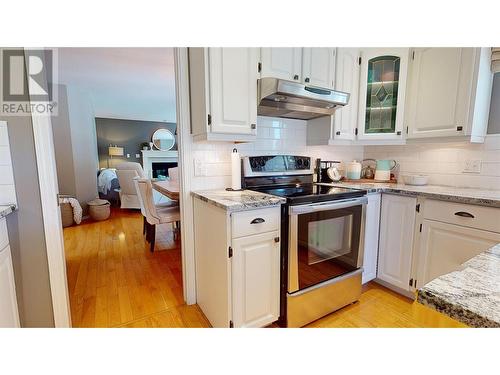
(6, 176)
(444, 163)
(4, 137)
(5, 155)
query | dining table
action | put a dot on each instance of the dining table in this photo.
(169, 188)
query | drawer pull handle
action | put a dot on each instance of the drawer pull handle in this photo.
(257, 220)
(464, 214)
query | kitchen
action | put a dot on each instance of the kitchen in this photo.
(296, 247)
(414, 124)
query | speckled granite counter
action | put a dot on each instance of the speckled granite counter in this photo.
(471, 294)
(238, 200)
(6, 209)
(481, 197)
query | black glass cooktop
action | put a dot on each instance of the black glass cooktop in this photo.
(305, 193)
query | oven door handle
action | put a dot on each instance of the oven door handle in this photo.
(297, 210)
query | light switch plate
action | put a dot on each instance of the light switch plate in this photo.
(472, 166)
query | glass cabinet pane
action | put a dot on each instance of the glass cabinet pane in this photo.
(382, 94)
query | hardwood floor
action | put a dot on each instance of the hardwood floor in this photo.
(115, 281)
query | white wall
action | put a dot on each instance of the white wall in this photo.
(7, 188)
(444, 163)
(212, 167)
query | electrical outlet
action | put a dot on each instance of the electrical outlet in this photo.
(472, 166)
(137, 156)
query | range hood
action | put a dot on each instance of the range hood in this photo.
(280, 98)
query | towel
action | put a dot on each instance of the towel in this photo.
(77, 209)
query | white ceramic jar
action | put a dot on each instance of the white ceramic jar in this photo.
(353, 171)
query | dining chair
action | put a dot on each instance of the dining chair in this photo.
(154, 214)
(126, 172)
(173, 173)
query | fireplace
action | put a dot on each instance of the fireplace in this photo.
(160, 169)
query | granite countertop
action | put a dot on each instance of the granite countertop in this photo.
(238, 200)
(7, 209)
(482, 197)
(471, 294)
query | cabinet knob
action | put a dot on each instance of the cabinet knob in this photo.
(307, 79)
(337, 133)
(253, 126)
(276, 239)
(296, 77)
(398, 133)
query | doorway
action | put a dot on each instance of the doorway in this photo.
(107, 262)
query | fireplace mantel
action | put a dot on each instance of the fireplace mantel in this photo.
(151, 156)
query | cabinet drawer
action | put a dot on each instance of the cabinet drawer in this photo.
(467, 215)
(4, 237)
(246, 223)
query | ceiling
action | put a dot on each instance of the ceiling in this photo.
(125, 83)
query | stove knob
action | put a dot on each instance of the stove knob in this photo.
(253, 163)
(306, 163)
(299, 162)
(262, 162)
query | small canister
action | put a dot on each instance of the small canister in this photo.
(353, 170)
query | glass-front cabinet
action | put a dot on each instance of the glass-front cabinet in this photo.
(383, 75)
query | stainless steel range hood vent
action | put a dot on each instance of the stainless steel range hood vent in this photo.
(280, 98)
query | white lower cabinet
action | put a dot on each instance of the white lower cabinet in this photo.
(9, 316)
(372, 225)
(444, 247)
(397, 225)
(255, 279)
(237, 265)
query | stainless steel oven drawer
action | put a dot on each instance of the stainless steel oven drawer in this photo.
(310, 304)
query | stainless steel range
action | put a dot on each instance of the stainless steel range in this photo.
(322, 231)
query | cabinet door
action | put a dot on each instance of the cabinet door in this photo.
(382, 93)
(372, 225)
(439, 91)
(9, 316)
(283, 63)
(318, 67)
(347, 80)
(444, 247)
(397, 221)
(233, 90)
(256, 280)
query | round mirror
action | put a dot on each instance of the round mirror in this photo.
(163, 139)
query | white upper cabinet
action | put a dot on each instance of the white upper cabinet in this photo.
(382, 93)
(281, 62)
(449, 93)
(318, 67)
(397, 222)
(347, 80)
(223, 85)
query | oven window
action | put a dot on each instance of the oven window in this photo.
(328, 244)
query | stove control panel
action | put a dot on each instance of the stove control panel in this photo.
(276, 164)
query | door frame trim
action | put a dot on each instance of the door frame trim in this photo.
(185, 142)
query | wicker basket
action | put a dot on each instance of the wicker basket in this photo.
(67, 215)
(99, 209)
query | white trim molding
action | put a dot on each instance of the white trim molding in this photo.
(54, 241)
(185, 173)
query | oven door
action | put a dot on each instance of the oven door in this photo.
(325, 241)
